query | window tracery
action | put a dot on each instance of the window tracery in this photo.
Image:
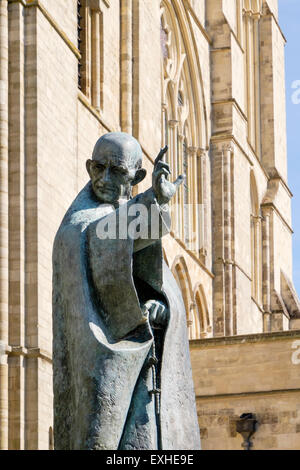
(181, 126)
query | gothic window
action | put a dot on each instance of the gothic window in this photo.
(90, 45)
(181, 124)
(197, 315)
(166, 139)
(186, 191)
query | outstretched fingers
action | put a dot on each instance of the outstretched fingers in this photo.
(179, 181)
(161, 154)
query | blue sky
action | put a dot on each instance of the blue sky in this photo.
(289, 19)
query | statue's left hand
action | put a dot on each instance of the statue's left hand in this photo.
(158, 313)
(164, 190)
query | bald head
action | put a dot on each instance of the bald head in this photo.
(119, 145)
(116, 166)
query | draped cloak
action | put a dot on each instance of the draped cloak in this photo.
(103, 345)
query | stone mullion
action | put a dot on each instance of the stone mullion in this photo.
(126, 66)
(164, 137)
(266, 273)
(193, 199)
(195, 327)
(16, 225)
(227, 152)
(180, 192)
(96, 58)
(173, 126)
(199, 171)
(190, 198)
(203, 200)
(3, 224)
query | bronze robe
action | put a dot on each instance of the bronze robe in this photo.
(103, 347)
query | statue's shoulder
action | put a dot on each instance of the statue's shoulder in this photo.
(79, 214)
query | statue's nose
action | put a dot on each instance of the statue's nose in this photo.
(106, 176)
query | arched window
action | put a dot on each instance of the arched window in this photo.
(183, 120)
(198, 319)
(182, 277)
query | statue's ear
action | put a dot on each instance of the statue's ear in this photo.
(139, 176)
(88, 166)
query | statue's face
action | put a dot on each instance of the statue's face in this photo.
(112, 177)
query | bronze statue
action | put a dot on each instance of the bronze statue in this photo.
(122, 373)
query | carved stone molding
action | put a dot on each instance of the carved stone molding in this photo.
(96, 5)
(228, 148)
(253, 8)
(173, 123)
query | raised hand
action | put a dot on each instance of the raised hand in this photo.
(164, 190)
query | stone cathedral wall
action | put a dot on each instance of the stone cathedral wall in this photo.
(53, 127)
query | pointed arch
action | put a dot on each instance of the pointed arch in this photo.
(181, 274)
(202, 312)
(180, 59)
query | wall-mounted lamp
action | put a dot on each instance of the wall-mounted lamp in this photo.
(246, 426)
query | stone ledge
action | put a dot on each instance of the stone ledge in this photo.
(246, 394)
(84, 100)
(29, 353)
(244, 339)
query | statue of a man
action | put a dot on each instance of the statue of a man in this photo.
(122, 373)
